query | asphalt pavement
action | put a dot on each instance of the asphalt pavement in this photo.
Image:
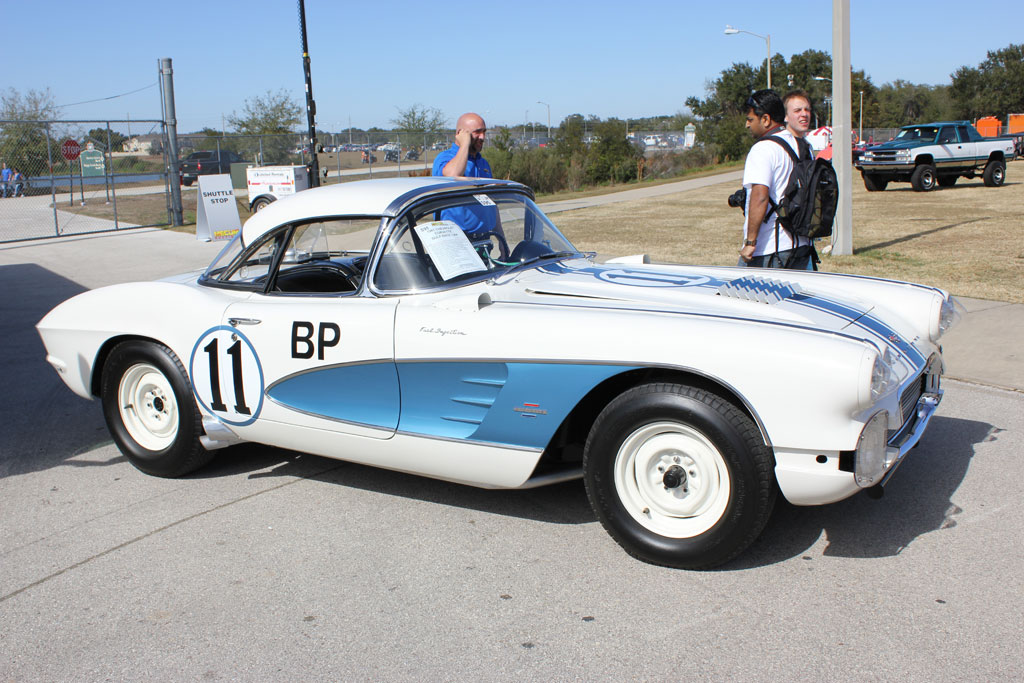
(272, 565)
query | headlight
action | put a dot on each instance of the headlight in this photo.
(903, 154)
(877, 377)
(881, 377)
(872, 457)
(950, 313)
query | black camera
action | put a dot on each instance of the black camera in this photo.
(738, 199)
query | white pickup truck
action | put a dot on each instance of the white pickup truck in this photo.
(932, 154)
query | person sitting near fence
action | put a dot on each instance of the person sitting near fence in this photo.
(18, 181)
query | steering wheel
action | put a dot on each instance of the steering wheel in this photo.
(477, 239)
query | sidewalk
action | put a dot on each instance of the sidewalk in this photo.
(981, 349)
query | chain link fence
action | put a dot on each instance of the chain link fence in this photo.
(67, 177)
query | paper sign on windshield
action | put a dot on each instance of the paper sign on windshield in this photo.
(449, 249)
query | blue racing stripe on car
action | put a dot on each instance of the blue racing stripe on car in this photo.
(518, 404)
(865, 321)
(362, 393)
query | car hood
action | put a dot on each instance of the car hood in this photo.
(900, 144)
(814, 301)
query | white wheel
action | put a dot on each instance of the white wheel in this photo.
(148, 408)
(678, 475)
(672, 480)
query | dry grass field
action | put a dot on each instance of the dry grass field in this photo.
(966, 239)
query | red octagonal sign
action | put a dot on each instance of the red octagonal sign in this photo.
(70, 149)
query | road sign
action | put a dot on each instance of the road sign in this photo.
(92, 163)
(70, 149)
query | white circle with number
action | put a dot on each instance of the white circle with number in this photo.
(227, 377)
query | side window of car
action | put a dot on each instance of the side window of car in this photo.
(964, 135)
(947, 135)
(325, 256)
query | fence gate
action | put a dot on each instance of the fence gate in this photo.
(75, 177)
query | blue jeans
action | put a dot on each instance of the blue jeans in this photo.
(801, 258)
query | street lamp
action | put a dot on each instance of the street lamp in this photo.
(730, 31)
(549, 116)
(828, 100)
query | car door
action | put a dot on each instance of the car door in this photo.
(969, 149)
(950, 156)
(306, 355)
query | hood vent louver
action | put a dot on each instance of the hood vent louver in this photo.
(759, 289)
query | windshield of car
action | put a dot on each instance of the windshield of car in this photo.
(917, 133)
(455, 240)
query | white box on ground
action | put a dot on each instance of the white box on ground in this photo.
(270, 183)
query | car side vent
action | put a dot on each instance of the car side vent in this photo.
(759, 289)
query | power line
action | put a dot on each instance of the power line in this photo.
(112, 97)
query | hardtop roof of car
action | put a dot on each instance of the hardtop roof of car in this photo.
(382, 197)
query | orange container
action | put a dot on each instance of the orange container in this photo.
(1015, 123)
(988, 126)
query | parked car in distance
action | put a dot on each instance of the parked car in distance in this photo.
(207, 162)
(934, 155)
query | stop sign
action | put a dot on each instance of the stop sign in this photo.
(70, 149)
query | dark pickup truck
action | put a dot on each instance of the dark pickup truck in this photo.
(206, 163)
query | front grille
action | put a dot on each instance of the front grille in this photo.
(926, 382)
(886, 155)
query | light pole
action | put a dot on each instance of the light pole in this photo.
(828, 100)
(860, 124)
(549, 116)
(730, 31)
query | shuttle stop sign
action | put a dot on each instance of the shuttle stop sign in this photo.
(70, 150)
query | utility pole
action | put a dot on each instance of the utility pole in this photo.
(314, 162)
(167, 87)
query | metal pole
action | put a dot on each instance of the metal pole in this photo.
(314, 162)
(842, 238)
(167, 86)
(860, 124)
(53, 186)
(768, 62)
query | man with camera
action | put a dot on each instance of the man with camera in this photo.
(767, 244)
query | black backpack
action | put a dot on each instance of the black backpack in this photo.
(808, 206)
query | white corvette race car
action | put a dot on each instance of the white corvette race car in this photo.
(363, 322)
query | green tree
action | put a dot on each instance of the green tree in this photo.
(99, 137)
(995, 88)
(721, 114)
(417, 118)
(23, 133)
(274, 114)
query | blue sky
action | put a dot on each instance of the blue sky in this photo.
(370, 58)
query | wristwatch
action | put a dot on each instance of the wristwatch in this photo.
(750, 243)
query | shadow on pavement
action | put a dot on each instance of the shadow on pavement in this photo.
(917, 500)
(558, 504)
(43, 422)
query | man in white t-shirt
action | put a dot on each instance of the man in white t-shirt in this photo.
(765, 176)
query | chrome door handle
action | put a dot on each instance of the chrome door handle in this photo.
(235, 322)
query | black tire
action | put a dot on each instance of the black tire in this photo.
(947, 180)
(187, 182)
(924, 178)
(995, 173)
(150, 411)
(874, 183)
(261, 203)
(707, 484)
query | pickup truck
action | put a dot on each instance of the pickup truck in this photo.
(206, 163)
(935, 154)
